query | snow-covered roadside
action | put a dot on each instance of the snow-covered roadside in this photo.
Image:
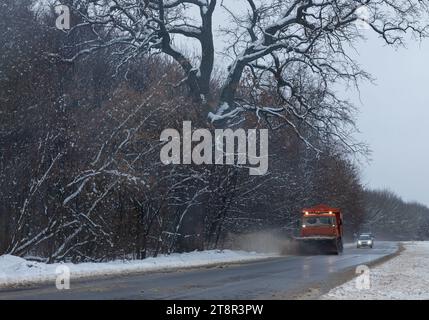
(17, 271)
(405, 276)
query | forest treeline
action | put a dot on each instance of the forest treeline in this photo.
(80, 173)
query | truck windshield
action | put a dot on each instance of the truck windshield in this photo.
(319, 221)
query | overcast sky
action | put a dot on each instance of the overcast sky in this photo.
(394, 118)
(394, 113)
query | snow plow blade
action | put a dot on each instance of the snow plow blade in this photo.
(318, 245)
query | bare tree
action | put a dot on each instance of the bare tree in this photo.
(272, 41)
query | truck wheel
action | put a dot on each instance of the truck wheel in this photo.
(341, 246)
(338, 246)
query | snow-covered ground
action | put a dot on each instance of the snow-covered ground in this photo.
(405, 276)
(18, 271)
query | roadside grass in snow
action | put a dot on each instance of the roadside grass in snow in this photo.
(404, 277)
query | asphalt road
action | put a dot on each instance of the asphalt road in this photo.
(277, 278)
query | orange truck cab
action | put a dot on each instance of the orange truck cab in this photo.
(321, 229)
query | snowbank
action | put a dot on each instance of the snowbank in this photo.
(403, 277)
(18, 271)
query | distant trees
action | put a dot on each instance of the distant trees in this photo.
(390, 217)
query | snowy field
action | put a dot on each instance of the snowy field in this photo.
(403, 277)
(17, 271)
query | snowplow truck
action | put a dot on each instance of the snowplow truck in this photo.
(321, 231)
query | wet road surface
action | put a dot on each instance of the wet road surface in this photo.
(267, 279)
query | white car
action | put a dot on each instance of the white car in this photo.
(365, 240)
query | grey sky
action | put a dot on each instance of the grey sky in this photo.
(394, 113)
(394, 117)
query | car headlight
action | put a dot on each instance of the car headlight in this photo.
(359, 242)
(370, 241)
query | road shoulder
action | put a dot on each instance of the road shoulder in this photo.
(318, 289)
(401, 278)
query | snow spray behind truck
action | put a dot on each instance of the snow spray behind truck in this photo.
(321, 230)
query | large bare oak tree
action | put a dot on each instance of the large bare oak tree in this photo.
(294, 50)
